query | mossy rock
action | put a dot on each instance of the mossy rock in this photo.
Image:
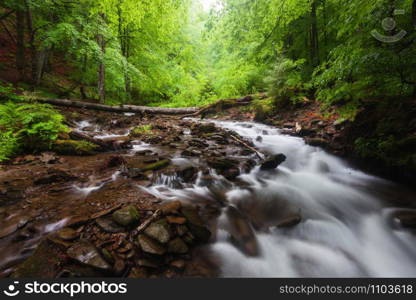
(157, 165)
(72, 147)
(141, 130)
(126, 216)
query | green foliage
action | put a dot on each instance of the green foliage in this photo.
(9, 145)
(172, 53)
(71, 147)
(28, 126)
(285, 81)
(7, 92)
(143, 129)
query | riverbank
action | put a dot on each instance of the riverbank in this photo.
(383, 144)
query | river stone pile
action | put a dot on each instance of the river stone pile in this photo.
(125, 242)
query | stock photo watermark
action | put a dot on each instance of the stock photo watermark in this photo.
(389, 25)
(70, 289)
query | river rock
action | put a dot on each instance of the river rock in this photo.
(171, 207)
(199, 129)
(195, 224)
(109, 225)
(222, 163)
(290, 221)
(126, 216)
(177, 246)
(178, 264)
(407, 218)
(159, 231)
(188, 173)
(176, 220)
(119, 267)
(317, 142)
(242, 232)
(67, 234)
(273, 162)
(149, 245)
(87, 254)
(198, 143)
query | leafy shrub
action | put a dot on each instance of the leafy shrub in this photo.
(7, 92)
(285, 80)
(140, 130)
(28, 127)
(8, 145)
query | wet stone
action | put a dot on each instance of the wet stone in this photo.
(126, 216)
(67, 234)
(273, 162)
(159, 231)
(290, 221)
(178, 264)
(177, 246)
(171, 207)
(109, 225)
(175, 220)
(149, 245)
(85, 253)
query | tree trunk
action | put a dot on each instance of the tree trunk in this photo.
(20, 43)
(42, 58)
(314, 46)
(414, 13)
(33, 52)
(82, 83)
(101, 67)
(121, 108)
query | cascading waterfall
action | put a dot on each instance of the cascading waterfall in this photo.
(347, 230)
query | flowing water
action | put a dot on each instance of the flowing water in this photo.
(347, 228)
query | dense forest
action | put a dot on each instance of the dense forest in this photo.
(192, 53)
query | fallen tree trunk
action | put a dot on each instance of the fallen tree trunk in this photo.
(223, 104)
(121, 108)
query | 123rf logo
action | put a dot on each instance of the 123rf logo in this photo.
(70, 289)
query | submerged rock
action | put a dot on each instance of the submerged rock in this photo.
(87, 254)
(290, 221)
(126, 216)
(242, 232)
(273, 162)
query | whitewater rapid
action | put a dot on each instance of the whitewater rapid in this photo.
(347, 228)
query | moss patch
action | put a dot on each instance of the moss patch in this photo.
(142, 130)
(157, 165)
(72, 147)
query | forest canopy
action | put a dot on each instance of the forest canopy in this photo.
(179, 53)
